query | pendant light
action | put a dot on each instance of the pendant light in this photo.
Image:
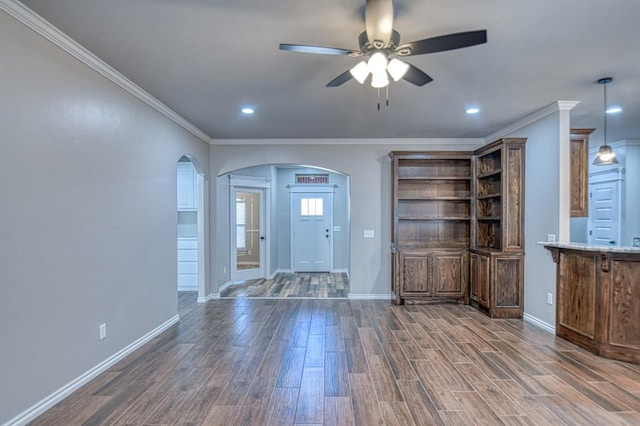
(605, 155)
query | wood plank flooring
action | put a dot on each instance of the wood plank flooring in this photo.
(345, 362)
(293, 285)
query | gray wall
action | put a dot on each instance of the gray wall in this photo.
(366, 163)
(541, 213)
(87, 217)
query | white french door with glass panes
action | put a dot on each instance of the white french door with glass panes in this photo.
(248, 233)
(312, 229)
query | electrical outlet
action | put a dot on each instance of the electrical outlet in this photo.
(368, 233)
(103, 331)
(551, 238)
(636, 241)
(549, 299)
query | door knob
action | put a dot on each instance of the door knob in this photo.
(612, 242)
(262, 238)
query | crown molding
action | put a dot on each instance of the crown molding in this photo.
(532, 118)
(32, 20)
(470, 143)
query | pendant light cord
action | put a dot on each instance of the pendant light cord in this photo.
(605, 113)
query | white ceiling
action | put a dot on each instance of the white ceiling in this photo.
(206, 59)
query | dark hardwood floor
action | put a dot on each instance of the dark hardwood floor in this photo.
(341, 362)
(293, 285)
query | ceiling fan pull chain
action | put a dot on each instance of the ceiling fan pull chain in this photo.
(378, 99)
(387, 95)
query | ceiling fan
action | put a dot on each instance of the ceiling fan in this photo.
(380, 48)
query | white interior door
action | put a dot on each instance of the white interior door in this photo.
(248, 233)
(604, 213)
(312, 231)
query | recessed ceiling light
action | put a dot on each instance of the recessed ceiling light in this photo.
(247, 110)
(472, 110)
(613, 110)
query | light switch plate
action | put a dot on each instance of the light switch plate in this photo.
(551, 238)
(368, 233)
(636, 241)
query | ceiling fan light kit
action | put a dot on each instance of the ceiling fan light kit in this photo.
(360, 72)
(380, 43)
(605, 155)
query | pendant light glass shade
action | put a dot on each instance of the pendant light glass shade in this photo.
(605, 155)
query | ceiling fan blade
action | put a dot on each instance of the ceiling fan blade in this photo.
(443, 43)
(341, 79)
(318, 50)
(378, 20)
(416, 76)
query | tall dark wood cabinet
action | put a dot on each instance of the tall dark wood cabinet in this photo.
(579, 169)
(497, 247)
(431, 226)
(458, 227)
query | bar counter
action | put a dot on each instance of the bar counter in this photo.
(598, 298)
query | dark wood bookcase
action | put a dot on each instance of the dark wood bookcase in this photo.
(458, 227)
(432, 203)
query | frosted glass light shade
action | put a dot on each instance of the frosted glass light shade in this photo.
(397, 69)
(380, 80)
(377, 63)
(360, 72)
(605, 156)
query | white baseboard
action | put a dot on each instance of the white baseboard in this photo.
(187, 288)
(539, 323)
(341, 271)
(212, 296)
(57, 396)
(367, 296)
(224, 286)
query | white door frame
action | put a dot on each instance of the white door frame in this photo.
(307, 189)
(251, 183)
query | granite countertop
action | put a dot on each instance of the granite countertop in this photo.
(590, 247)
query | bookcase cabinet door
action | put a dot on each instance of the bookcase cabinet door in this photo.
(450, 274)
(415, 277)
(480, 279)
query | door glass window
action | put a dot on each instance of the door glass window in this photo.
(311, 207)
(247, 230)
(241, 226)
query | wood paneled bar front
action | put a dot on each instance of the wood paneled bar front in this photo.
(598, 298)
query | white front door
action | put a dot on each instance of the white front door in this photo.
(604, 213)
(312, 231)
(248, 233)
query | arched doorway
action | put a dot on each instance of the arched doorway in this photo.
(287, 186)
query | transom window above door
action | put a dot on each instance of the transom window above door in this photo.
(311, 207)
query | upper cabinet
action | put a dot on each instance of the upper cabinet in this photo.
(579, 169)
(187, 183)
